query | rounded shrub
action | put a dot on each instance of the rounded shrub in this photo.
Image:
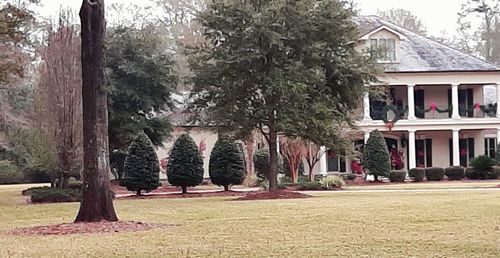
(376, 159)
(482, 163)
(142, 168)
(397, 176)
(417, 174)
(455, 173)
(185, 164)
(53, 195)
(434, 174)
(261, 163)
(497, 171)
(474, 174)
(226, 166)
(332, 182)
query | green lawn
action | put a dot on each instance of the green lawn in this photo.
(344, 224)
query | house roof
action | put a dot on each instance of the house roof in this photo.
(420, 54)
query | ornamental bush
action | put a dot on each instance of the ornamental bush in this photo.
(261, 163)
(52, 195)
(418, 174)
(226, 166)
(434, 174)
(142, 168)
(185, 164)
(474, 174)
(497, 155)
(455, 173)
(376, 158)
(332, 182)
(482, 163)
(397, 176)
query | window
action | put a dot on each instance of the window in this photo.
(336, 162)
(490, 147)
(383, 49)
(424, 153)
(467, 151)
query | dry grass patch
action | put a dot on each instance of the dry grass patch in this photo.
(455, 224)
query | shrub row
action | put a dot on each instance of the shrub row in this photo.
(453, 173)
(52, 195)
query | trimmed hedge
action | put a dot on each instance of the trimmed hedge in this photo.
(418, 174)
(309, 186)
(455, 173)
(434, 174)
(52, 195)
(397, 176)
(474, 174)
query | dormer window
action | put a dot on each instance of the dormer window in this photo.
(384, 50)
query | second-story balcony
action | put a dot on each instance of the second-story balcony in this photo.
(426, 102)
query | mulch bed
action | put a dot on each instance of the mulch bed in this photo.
(88, 228)
(154, 195)
(272, 195)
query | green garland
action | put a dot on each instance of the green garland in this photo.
(490, 109)
(398, 113)
(423, 111)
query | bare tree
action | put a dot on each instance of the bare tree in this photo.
(97, 202)
(59, 95)
(313, 155)
(294, 151)
(404, 18)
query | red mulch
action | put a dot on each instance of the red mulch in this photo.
(88, 228)
(154, 195)
(271, 195)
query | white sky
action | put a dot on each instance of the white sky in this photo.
(438, 15)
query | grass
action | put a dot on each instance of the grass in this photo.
(429, 185)
(347, 224)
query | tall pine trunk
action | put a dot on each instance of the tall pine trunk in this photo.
(97, 202)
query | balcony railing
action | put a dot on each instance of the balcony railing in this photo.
(390, 112)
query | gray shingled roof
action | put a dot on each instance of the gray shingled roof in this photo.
(420, 54)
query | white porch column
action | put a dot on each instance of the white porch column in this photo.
(456, 147)
(411, 102)
(412, 149)
(454, 101)
(323, 162)
(367, 136)
(498, 100)
(366, 106)
(498, 136)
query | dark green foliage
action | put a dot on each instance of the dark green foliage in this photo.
(261, 163)
(455, 173)
(497, 155)
(397, 176)
(117, 163)
(482, 163)
(287, 66)
(142, 168)
(376, 159)
(185, 164)
(139, 81)
(418, 174)
(348, 176)
(497, 171)
(434, 174)
(52, 195)
(37, 175)
(474, 174)
(9, 174)
(309, 186)
(75, 185)
(226, 166)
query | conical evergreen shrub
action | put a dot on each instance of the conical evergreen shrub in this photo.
(185, 164)
(226, 166)
(142, 168)
(376, 159)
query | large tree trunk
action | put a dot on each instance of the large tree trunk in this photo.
(97, 202)
(273, 159)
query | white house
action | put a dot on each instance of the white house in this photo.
(444, 100)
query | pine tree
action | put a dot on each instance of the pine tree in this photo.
(376, 158)
(185, 165)
(142, 168)
(226, 163)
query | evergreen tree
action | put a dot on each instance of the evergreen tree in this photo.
(142, 168)
(226, 163)
(376, 159)
(185, 164)
(286, 68)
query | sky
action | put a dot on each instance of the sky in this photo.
(437, 15)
